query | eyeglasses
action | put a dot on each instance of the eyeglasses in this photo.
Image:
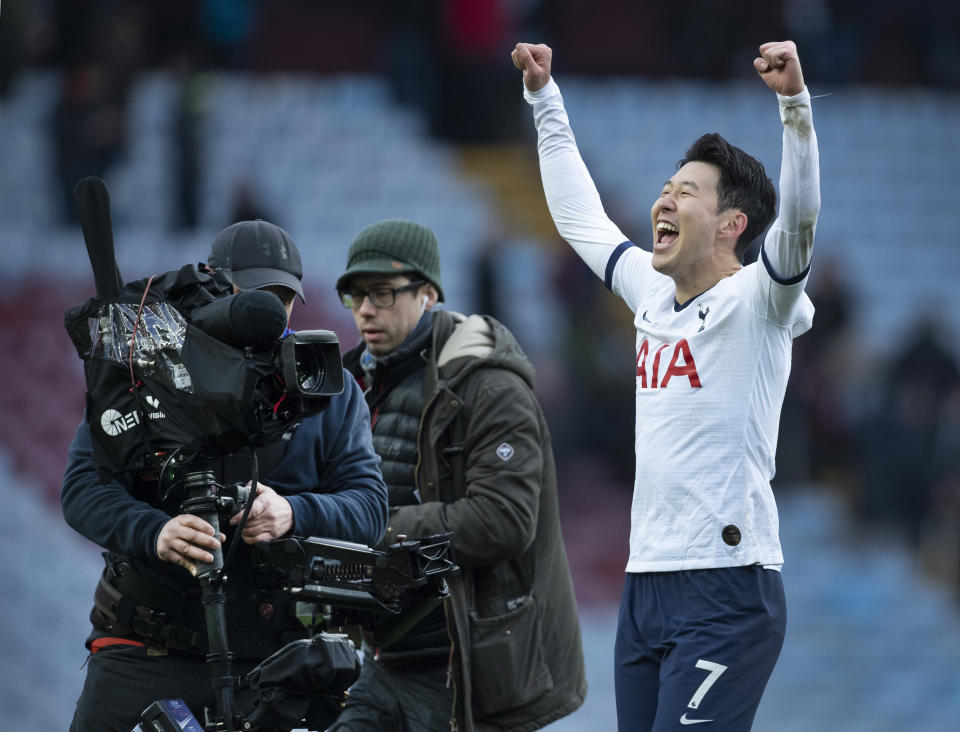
(380, 297)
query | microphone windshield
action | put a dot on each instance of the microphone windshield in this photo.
(255, 318)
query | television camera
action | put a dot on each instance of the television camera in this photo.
(183, 374)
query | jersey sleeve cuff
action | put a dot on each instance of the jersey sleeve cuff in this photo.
(786, 281)
(612, 263)
(797, 100)
(548, 90)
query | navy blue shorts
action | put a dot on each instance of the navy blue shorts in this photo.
(696, 648)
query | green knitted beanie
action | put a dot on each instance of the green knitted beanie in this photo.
(394, 246)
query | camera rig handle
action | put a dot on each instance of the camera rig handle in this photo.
(202, 491)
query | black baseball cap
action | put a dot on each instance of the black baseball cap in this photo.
(258, 254)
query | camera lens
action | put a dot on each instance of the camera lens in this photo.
(309, 362)
(310, 370)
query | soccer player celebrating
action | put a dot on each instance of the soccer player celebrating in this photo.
(702, 616)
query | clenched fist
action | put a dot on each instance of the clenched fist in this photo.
(534, 61)
(779, 66)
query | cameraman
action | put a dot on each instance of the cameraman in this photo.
(149, 635)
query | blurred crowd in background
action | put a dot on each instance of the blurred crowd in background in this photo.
(885, 433)
(444, 57)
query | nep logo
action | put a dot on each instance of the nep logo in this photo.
(114, 423)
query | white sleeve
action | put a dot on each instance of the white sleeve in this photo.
(779, 278)
(571, 194)
(788, 245)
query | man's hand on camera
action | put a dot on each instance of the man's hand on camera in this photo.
(186, 538)
(270, 517)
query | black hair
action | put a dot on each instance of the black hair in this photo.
(743, 185)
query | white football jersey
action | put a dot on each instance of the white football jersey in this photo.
(710, 374)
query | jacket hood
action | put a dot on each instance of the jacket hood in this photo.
(464, 343)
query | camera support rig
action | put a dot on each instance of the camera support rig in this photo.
(359, 585)
(203, 501)
(354, 585)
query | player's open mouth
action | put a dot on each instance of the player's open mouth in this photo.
(666, 234)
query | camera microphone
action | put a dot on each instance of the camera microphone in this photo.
(255, 318)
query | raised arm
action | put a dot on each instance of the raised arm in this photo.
(571, 194)
(788, 246)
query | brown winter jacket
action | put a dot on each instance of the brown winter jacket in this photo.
(517, 633)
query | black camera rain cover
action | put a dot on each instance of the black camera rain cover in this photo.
(303, 681)
(154, 382)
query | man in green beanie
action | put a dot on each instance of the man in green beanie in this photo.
(465, 449)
